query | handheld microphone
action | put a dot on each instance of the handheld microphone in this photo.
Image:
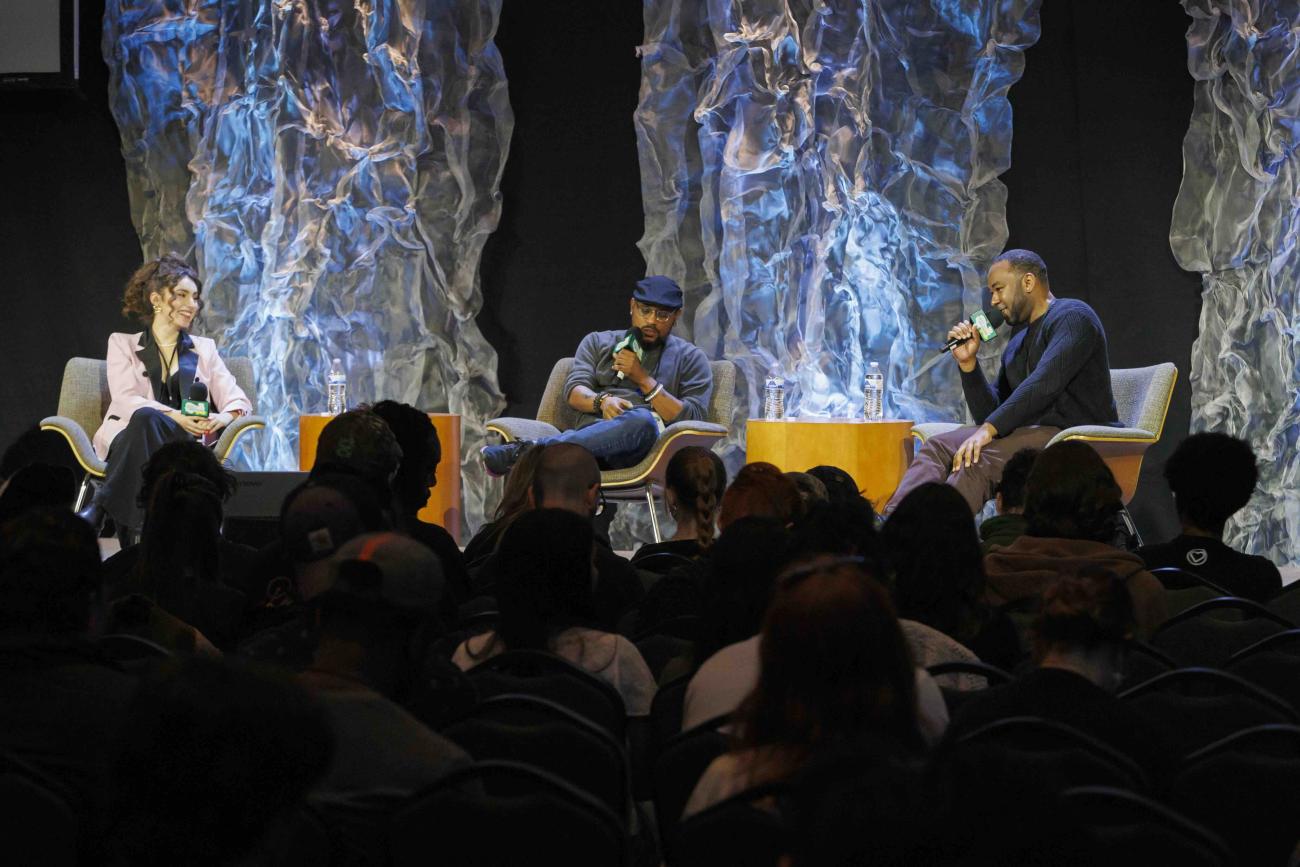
(196, 405)
(986, 322)
(629, 341)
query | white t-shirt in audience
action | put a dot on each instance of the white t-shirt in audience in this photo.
(610, 657)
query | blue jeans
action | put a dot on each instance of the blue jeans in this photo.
(616, 442)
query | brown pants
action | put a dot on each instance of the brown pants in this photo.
(978, 482)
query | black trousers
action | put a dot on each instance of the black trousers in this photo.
(146, 431)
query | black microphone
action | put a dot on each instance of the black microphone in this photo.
(986, 322)
(196, 404)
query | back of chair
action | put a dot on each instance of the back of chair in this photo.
(554, 402)
(1142, 395)
(551, 677)
(723, 400)
(37, 818)
(505, 813)
(678, 768)
(242, 370)
(84, 395)
(1130, 829)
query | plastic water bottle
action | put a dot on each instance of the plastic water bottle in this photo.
(773, 398)
(337, 388)
(873, 394)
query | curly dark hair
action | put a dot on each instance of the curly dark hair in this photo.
(1071, 494)
(159, 275)
(1015, 472)
(1084, 611)
(1212, 475)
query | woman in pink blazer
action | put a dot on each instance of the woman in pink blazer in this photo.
(149, 375)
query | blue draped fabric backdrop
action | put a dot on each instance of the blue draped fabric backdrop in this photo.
(332, 168)
(821, 178)
(1237, 222)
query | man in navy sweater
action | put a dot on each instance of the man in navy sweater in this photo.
(1055, 374)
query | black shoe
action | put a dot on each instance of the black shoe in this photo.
(93, 515)
(499, 459)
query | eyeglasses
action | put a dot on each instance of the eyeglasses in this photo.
(659, 314)
(600, 506)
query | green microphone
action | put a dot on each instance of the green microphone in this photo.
(629, 341)
(196, 405)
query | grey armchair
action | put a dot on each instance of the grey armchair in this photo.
(1142, 396)
(646, 478)
(84, 398)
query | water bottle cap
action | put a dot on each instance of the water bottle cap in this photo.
(774, 381)
(875, 364)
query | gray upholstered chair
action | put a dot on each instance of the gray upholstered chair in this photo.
(84, 398)
(1142, 396)
(647, 477)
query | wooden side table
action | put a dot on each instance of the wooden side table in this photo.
(874, 453)
(443, 507)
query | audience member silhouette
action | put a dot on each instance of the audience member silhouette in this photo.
(1009, 523)
(1079, 639)
(833, 667)
(214, 757)
(516, 499)
(377, 620)
(316, 519)
(416, 474)
(544, 568)
(938, 574)
(1071, 505)
(760, 490)
(1213, 476)
(62, 704)
(694, 483)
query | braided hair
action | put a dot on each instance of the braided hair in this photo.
(698, 478)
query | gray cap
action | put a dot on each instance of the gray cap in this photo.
(407, 575)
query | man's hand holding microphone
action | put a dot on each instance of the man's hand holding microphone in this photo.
(964, 340)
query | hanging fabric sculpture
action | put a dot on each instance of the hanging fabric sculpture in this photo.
(1235, 221)
(821, 178)
(332, 167)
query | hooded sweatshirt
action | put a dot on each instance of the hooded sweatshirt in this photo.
(1026, 567)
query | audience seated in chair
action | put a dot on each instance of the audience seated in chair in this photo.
(516, 499)
(811, 490)
(214, 757)
(1071, 505)
(693, 487)
(376, 622)
(1213, 476)
(1079, 647)
(62, 704)
(938, 577)
(1009, 523)
(567, 478)
(761, 490)
(172, 594)
(235, 562)
(733, 599)
(416, 474)
(544, 570)
(316, 519)
(832, 667)
(37, 469)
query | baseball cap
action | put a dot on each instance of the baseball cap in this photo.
(659, 291)
(389, 568)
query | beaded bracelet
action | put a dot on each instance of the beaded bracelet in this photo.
(597, 402)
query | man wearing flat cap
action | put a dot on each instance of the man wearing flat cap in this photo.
(627, 384)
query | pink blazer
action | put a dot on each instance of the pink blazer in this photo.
(130, 389)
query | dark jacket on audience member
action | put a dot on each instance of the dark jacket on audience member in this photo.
(1028, 565)
(62, 706)
(1245, 575)
(1001, 530)
(1072, 699)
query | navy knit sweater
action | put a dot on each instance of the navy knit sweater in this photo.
(1055, 372)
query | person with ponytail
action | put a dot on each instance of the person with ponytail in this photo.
(693, 486)
(173, 595)
(150, 373)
